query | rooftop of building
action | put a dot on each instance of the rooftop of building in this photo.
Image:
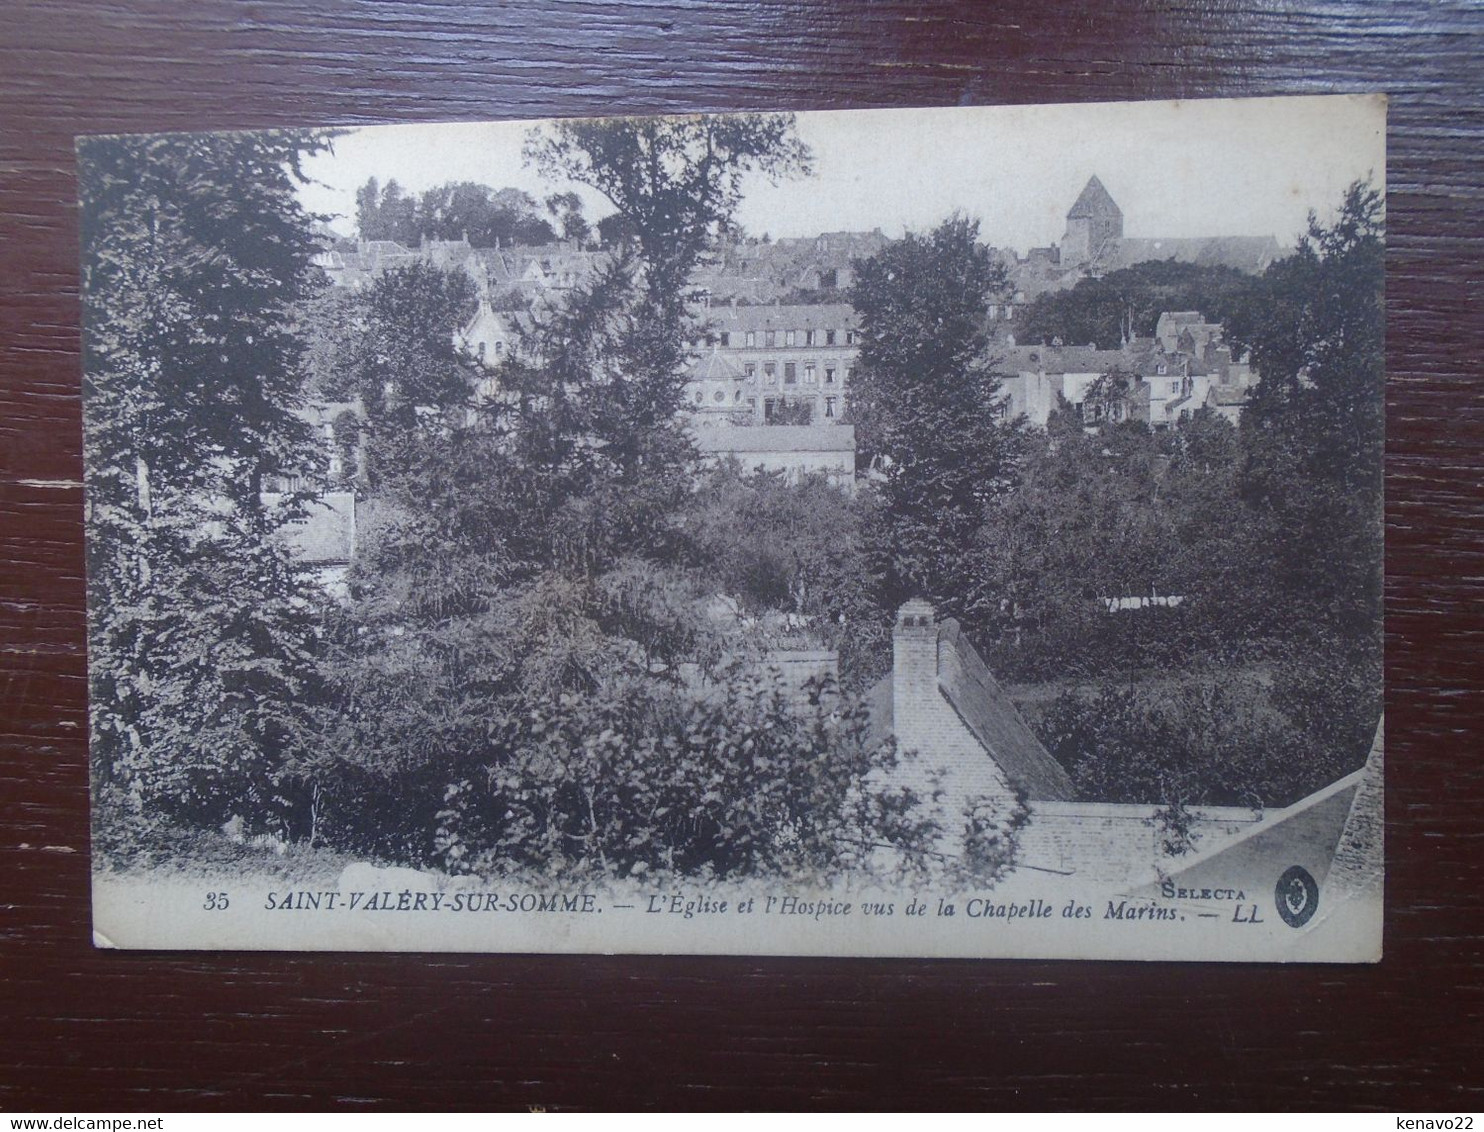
(776, 438)
(985, 709)
(775, 316)
(1094, 200)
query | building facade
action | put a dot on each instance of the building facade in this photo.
(758, 363)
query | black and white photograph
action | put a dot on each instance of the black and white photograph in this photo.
(941, 532)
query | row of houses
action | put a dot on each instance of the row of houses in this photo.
(1160, 381)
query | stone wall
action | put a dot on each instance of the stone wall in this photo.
(1115, 843)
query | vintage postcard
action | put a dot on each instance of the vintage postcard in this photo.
(948, 532)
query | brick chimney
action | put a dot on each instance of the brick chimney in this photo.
(914, 671)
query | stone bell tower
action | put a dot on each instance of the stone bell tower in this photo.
(1093, 223)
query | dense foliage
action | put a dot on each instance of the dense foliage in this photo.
(554, 650)
(461, 210)
(1106, 311)
(195, 253)
(927, 407)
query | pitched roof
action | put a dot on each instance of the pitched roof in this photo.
(1094, 200)
(1245, 253)
(715, 366)
(1360, 854)
(829, 316)
(777, 438)
(987, 711)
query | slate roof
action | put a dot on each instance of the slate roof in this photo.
(973, 692)
(1094, 200)
(1245, 253)
(987, 711)
(1360, 855)
(716, 366)
(816, 316)
(777, 438)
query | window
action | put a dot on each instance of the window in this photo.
(719, 397)
(750, 370)
(770, 373)
(768, 405)
(770, 338)
(829, 406)
(829, 375)
(1009, 311)
(752, 337)
(994, 310)
(788, 337)
(726, 337)
(499, 348)
(738, 398)
(698, 397)
(790, 373)
(845, 374)
(829, 337)
(1174, 385)
(850, 338)
(479, 350)
(810, 374)
(808, 337)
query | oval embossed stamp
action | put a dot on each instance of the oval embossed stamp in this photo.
(1297, 895)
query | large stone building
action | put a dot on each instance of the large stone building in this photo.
(755, 361)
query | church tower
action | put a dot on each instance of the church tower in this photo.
(1092, 223)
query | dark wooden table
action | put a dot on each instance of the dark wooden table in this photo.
(97, 1030)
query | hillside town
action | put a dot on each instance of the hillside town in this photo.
(524, 545)
(776, 338)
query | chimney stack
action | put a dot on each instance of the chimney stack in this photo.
(914, 666)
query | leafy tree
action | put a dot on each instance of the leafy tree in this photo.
(796, 550)
(614, 230)
(452, 211)
(1126, 304)
(406, 354)
(676, 181)
(387, 214)
(1313, 431)
(566, 210)
(636, 780)
(368, 211)
(535, 600)
(195, 255)
(482, 215)
(927, 407)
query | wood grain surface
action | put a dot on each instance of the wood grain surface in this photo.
(84, 1029)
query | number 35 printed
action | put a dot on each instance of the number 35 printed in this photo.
(215, 902)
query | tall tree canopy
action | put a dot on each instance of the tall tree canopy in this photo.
(1314, 430)
(676, 180)
(926, 405)
(1126, 304)
(195, 251)
(452, 211)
